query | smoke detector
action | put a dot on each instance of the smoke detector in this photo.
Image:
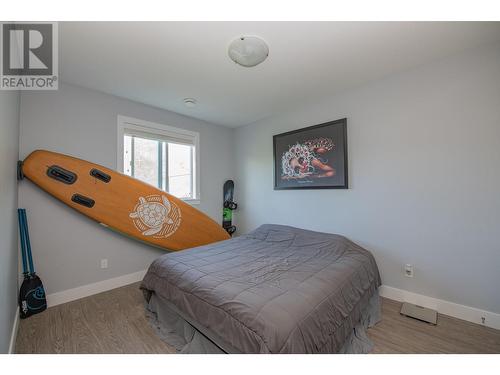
(248, 51)
(189, 102)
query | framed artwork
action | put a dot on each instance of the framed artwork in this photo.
(312, 158)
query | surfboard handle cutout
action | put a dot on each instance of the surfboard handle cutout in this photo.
(100, 175)
(83, 200)
(61, 174)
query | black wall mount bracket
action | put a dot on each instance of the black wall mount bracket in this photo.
(20, 174)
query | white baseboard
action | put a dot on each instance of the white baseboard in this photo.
(13, 335)
(463, 312)
(455, 310)
(95, 288)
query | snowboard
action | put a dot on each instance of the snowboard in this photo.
(228, 207)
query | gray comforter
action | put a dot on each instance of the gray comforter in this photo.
(277, 289)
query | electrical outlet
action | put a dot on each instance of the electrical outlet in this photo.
(408, 270)
(104, 263)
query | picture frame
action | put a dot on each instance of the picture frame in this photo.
(314, 157)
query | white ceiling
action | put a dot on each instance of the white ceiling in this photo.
(161, 63)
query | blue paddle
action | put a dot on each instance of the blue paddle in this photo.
(23, 244)
(32, 293)
(28, 243)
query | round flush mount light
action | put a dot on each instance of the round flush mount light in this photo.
(248, 50)
(189, 102)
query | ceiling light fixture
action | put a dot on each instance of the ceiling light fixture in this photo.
(248, 51)
(189, 102)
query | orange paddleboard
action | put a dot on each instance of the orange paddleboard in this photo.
(122, 203)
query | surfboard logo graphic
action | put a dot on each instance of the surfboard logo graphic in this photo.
(156, 216)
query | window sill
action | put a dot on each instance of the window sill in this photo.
(191, 201)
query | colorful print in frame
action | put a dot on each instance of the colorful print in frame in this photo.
(312, 158)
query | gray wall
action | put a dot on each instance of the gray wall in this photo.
(424, 171)
(9, 154)
(67, 246)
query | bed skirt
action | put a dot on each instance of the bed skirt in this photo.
(188, 337)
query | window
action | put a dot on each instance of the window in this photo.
(159, 155)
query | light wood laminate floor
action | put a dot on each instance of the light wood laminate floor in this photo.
(114, 322)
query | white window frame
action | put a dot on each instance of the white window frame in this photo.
(136, 125)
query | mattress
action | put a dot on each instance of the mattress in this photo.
(277, 289)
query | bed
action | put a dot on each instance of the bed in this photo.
(278, 289)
